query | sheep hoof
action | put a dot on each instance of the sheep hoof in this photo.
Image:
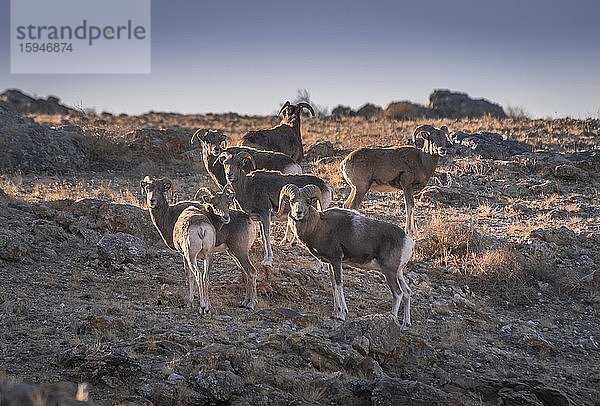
(248, 304)
(267, 262)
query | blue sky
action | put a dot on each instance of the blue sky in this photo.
(249, 57)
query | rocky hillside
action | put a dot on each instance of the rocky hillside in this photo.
(504, 277)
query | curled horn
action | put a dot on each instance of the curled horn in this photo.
(313, 192)
(286, 105)
(197, 135)
(229, 191)
(307, 107)
(167, 184)
(222, 157)
(428, 129)
(146, 181)
(289, 190)
(249, 157)
(203, 194)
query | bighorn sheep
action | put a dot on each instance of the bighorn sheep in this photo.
(337, 236)
(391, 169)
(214, 142)
(236, 234)
(284, 137)
(257, 193)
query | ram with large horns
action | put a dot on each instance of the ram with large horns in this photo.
(285, 137)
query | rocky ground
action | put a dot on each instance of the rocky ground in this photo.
(504, 278)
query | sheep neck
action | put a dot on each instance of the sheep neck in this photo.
(306, 228)
(429, 160)
(293, 122)
(164, 217)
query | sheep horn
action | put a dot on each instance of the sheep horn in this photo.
(313, 191)
(146, 181)
(167, 184)
(202, 194)
(289, 190)
(197, 135)
(286, 105)
(222, 157)
(429, 129)
(307, 107)
(249, 157)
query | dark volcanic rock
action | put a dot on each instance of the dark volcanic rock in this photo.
(218, 386)
(486, 145)
(457, 105)
(369, 110)
(30, 105)
(121, 248)
(391, 392)
(31, 147)
(12, 245)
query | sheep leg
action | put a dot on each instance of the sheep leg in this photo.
(406, 293)
(243, 262)
(357, 195)
(391, 278)
(191, 283)
(409, 203)
(203, 285)
(340, 310)
(265, 226)
(288, 237)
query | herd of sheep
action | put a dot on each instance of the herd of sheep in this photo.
(261, 180)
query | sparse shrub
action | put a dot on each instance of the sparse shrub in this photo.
(303, 95)
(517, 112)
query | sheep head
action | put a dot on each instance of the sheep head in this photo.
(234, 164)
(216, 203)
(214, 141)
(291, 112)
(431, 140)
(155, 190)
(300, 200)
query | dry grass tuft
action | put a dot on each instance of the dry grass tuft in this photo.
(444, 239)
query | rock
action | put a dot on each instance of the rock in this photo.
(570, 172)
(361, 344)
(121, 248)
(12, 246)
(323, 149)
(586, 160)
(486, 145)
(388, 343)
(342, 111)
(457, 105)
(161, 143)
(218, 386)
(391, 392)
(370, 369)
(28, 105)
(404, 110)
(30, 147)
(369, 110)
(561, 236)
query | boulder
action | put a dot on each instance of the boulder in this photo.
(342, 111)
(486, 145)
(121, 248)
(570, 172)
(29, 147)
(160, 142)
(390, 392)
(405, 110)
(218, 386)
(12, 246)
(458, 105)
(29, 105)
(369, 110)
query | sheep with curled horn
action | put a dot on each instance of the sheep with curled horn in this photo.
(257, 193)
(214, 142)
(337, 236)
(234, 233)
(388, 170)
(285, 137)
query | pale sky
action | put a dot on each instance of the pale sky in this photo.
(250, 56)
